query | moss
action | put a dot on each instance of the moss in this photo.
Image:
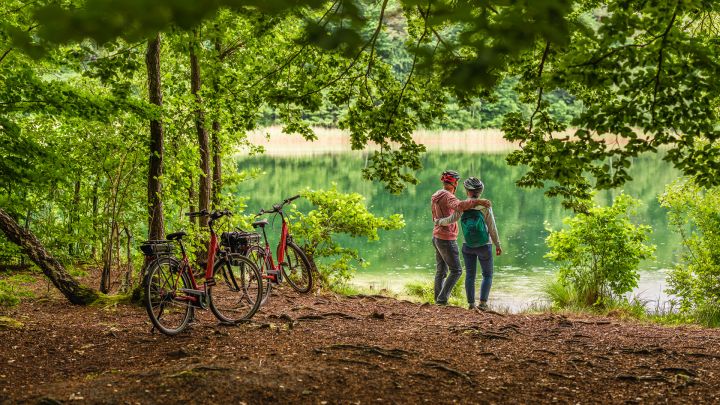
(10, 323)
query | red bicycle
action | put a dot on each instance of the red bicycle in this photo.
(232, 288)
(292, 265)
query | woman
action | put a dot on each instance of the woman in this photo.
(480, 232)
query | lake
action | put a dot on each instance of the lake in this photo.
(522, 215)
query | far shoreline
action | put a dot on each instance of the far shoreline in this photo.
(337, 141)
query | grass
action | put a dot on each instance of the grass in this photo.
(12, 289)
(425, 292)
(566, 300)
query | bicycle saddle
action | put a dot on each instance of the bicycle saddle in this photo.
(175, 236)
(260, 223)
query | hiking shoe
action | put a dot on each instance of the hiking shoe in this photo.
(483, 306)
(472, 306)
(442, 304)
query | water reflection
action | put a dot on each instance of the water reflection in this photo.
(521, 214)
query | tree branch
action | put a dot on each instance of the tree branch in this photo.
(373, 40)
(6, 53)
(540, 88)
(412, 68)
(296, 54)
(660, 62)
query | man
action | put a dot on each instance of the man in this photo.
(444, 203)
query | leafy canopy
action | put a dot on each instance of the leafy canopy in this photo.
(644, 72)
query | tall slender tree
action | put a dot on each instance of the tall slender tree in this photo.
(204, 183)
(155, 206)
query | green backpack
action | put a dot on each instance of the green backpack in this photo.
(474, 228)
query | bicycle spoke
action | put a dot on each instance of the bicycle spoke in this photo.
(166, 311)
(228, 297)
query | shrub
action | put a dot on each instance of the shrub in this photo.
(694, 212)
(425, 291)
(337, 214)
(599, 251)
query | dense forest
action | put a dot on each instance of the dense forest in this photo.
(111, 131)
(123, 121)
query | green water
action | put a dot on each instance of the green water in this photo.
(521, 215)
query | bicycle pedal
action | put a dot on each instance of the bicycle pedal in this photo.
(190, 291)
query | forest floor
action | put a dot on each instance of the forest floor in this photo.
(365, 349)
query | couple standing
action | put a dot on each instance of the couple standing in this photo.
(478, 224)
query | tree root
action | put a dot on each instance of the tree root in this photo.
(644, 350)
(371, 297)
(539, 362)
(631, 377)
(561, 375)
(439, 366)
(585, 322)
(704, 355)
(316, 317)
(210, 368)
(477, 331)
(680, 370)
(301, 307)
(545, 351)
(394, 353)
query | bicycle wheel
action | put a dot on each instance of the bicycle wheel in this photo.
(237, 292)
(296, 268)
(166, 304)
(257, 255)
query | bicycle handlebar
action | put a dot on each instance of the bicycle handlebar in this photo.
(212, 215)
(277, 207)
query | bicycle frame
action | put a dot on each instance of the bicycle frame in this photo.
(276, 274)
(209, 268)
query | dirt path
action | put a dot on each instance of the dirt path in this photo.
(329, 349)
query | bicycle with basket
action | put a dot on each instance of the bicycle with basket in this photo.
(232, 289)
(292, 263)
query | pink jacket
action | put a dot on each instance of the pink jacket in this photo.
(444, 203)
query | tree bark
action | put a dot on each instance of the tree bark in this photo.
(191, 198)
(68, 286)
(155, 208)
(74, 219)
(127, 280)
(205, 174)
(93, 250)
(217, 166)
(216, 151)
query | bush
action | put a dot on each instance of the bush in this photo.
(600, 251)
(425, 291)
(336, 214)
(694, 212)
(560, 294)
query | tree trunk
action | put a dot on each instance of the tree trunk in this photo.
(205, 175)
(27, 228)
(191, 198)
(68, 286)
(74, 214)
(155, 208)
(127, 280)
(217, 157)
(107, 260)
(217, 166)
(93, 250)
